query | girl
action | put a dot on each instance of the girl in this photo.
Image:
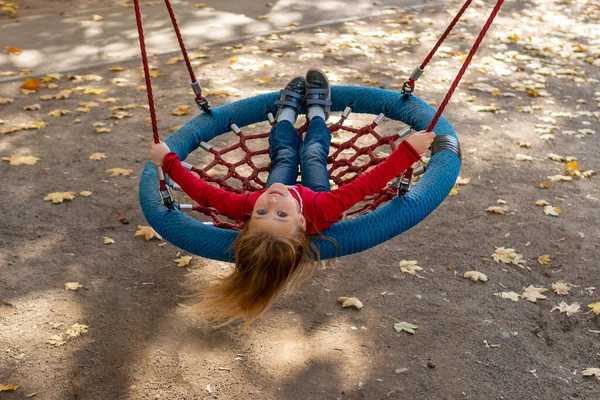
(273, 250)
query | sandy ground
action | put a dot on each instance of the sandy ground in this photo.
(143, 341)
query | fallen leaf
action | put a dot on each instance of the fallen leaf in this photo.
(98, 156)
(59, 197)
(8, 388)
(104, 130)
(58, 113)
(560, 178)
(496, 210)
(5, 100)
(475, 276)
(567, 309)
(405, 326)
(57, 340)
(85, 193)
(76, 330)
(533, 293)
(181, 110)
(12, 50)
(510, 295)
(108, 240)
(561, 288)
(591, 372)
(123, 220)
(31, 84)
(409, 267)
(73, 285)
(555, 157)
(542, 185)
(97, 18)
(154, 74)
(32, 107)
(350, 302)
(507, 256)
(523, 157)
(183, 261)
(119, 171)
(542, 203)
(552, 211)
(116, 68)
(20, 160)
(463, 181)
(595, 307)
(544, 260)
(147, 232)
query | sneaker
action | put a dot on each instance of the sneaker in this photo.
(318, 91)
(292, 96)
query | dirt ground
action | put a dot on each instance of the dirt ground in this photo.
(540, 65)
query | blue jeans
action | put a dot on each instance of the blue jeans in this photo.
(287, 150)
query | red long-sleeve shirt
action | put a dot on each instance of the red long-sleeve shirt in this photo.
(321, 209)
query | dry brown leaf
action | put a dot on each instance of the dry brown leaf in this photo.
(147, 232)
(463, 181)
(6, 100)
(59, 197)
(32, 107)
(119, 171)
(595, 307)
(16, 159)
(12, 50)
(108, 240)
(510, 295)
(496, 210)
(76, 330)
(591, 372)
(533, 293)
(560, 178)
(181, 110)
(85, 193)
(541, 203)
(31, 84)
(8, 388)
(104, 130)
(58, 113)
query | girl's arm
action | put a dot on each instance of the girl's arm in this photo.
(330, 205)
(230, 204)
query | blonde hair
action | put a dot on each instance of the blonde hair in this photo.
(265, 265)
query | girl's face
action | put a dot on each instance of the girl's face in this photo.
(278, 212)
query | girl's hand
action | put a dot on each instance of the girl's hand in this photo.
(158, 151)
(421, 141)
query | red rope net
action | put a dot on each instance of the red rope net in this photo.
(341, 170)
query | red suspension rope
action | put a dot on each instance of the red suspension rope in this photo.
(465, 65)
(411, 81)
(180, 40)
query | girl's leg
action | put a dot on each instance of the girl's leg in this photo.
(284, 143)
(313, 156)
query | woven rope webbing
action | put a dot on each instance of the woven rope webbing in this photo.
(341, 170)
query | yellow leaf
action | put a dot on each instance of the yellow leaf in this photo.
(475, 276)
(31, 84)
(117, 69)
(98, 156)
(175, 128)
(5, 100)
(97, 18)
(532, 93)
(108, 240)
(126, 5)
(154, 74)
(183, 261)
(85, 193)
(147, 232)
(510, 295)
(453, 191)
(121, 115)
(542, 203)
(263, 80)
(58, 113)
(350, 302)
(233, 59)
(32, 107)
(94, 91)
(119, 171)
(595, 307)
(19, 160)
(104, 130)
(174, 60)
(57, 340)
(571, 167)
(533, 293)
(544, 260)
(73, 285)
(8, 388)
(507, 256)
(463, 181)
(409, 267)
(76, 330)
(181, 110)
(59, 197)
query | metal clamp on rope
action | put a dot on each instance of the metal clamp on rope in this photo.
(347, 110)
(201, 101)
(446, 142)
(270, 116)
(408, 87)
(404, 182)
(236, 129)
(165, 194)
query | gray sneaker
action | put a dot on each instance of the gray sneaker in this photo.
(292, 96)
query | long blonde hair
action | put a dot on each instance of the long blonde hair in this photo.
(265, 265)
